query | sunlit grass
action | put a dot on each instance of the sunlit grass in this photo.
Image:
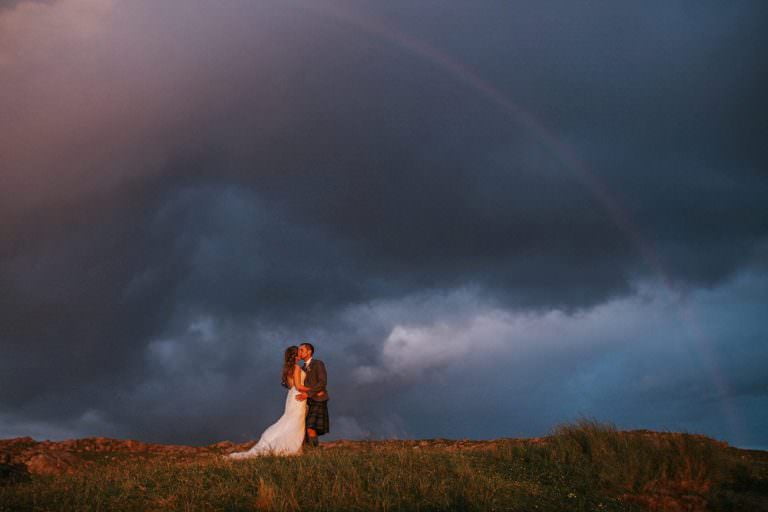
(584, 466)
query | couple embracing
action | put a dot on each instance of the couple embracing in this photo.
(306, 407)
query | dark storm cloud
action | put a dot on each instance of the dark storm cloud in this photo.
(186, 187)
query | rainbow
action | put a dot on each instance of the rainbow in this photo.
(566, 156)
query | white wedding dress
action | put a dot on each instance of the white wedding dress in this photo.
(286, 435)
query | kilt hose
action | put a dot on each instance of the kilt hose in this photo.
(317, 416)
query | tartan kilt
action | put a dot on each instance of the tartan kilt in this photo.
(317, 416)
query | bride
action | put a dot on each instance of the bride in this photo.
(286, 435)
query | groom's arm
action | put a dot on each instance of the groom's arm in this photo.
(322, 379)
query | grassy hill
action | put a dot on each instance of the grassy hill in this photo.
(581, 467)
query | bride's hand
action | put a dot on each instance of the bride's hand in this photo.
(303, 389)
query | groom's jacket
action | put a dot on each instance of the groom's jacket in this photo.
(316, 380)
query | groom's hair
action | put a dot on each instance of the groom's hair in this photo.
(310, 347)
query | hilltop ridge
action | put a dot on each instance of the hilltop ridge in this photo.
(71, 455)
(585, 466)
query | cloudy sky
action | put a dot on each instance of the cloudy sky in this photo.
(489, 217)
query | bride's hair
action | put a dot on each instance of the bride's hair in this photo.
(288, 363)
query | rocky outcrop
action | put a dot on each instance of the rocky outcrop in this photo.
(54, 463)
(22, 456)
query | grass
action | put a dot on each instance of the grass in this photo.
(585, 466)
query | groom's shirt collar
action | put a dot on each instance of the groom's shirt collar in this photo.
(306, 363)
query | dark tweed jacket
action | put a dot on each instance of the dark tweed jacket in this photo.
(316, 380)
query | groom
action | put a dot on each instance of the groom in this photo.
(313, 391)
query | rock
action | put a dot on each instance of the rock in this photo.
(68, 444)
(53, 463)
(133, 445)
(17, 441)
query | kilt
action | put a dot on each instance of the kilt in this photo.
(317, 416)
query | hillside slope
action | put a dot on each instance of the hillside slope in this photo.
(585, 466)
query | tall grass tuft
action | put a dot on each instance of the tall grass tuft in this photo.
(641, 461)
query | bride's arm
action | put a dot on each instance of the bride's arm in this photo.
(297, 377)
(297, 383)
